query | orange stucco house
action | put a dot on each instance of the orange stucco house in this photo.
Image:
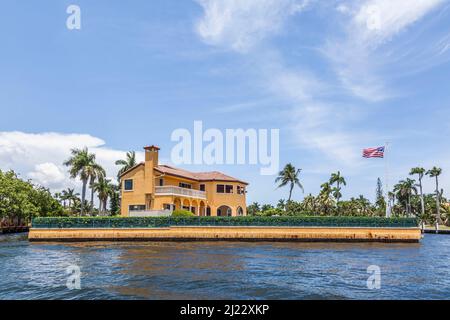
(150, 186)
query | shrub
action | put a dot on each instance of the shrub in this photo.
(182, 213)
(160, 222)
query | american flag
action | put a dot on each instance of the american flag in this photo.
(373, 152)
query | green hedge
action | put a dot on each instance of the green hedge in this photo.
(161, 222)
(182, 213)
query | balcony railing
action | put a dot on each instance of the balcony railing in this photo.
(178, 191)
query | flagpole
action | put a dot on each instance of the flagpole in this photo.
(386, 181)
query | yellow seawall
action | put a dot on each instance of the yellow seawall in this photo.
(231, 234)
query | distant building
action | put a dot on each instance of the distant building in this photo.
(150, 186)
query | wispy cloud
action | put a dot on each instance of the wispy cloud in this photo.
(361, 59)
(366, 50)
(240, 25)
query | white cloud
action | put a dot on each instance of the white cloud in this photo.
(377, 21)
(361, 59)
(40, 156)
(240, 25)
(47, 174)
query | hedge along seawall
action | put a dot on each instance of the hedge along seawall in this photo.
(165, 222)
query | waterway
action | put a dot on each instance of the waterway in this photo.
(223, 270)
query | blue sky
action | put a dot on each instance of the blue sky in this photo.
(333, 76)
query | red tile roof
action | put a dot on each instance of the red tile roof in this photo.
(197, 176)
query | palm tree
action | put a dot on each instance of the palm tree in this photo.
(72, 197)
(126, 164)
(420, 172)
(325, 200)
(80, 165)
(95, 172)
(104, 188)
(435, 172)
(337, 179)
(59, 196)
(404, 190)
(254, 208)
(281, 204)
(289, 175)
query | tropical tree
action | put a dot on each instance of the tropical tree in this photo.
(289, 176)
(380, 201)
(81, 164)
(435, 172)
(114, 200)
(326, 203)
(281, 204)
(338, 179)
(404, 190)
(253, 209)
(104, 189)
(21, 200)
(420, 172)
(126, 164)
(95, 171)
(70, 196)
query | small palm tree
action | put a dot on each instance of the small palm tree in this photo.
(289, 175)
(281, 204)
(80, 165)
(126, 164)
(435, 172)
(404, 190)
(104, 188)
(95, 172)
(325, 201)
(420, 172)
(71, 196)
(339, 180)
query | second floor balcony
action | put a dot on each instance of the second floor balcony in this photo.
(178, 191)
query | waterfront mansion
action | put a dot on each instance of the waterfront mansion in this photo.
(149, 186)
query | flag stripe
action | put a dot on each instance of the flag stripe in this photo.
(373, 152)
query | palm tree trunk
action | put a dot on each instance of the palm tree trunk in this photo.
(83, 196)
(422, 202)
(290, 192)
(92, 198)
(339, 190)
(438, 204)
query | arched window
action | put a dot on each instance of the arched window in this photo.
(240, 211)
(224, 211)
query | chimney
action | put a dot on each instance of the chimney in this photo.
(151, 161)
(151, 154)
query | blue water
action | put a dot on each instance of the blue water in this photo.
(224, 270)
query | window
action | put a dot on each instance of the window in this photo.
(202, 187)
(240, 190)
(168, 206)
(128, 185)
(185, 185)
(228, 189)
(161, 182)
(220, 188)
(240, 211)
(136, 207)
